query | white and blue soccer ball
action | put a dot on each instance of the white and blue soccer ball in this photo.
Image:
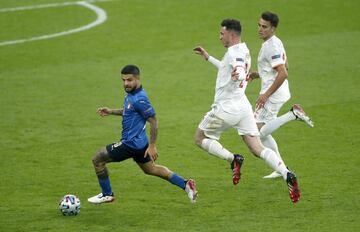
(70, 205)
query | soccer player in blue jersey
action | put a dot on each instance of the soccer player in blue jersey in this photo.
(134, 143)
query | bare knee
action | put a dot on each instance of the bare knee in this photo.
(149, 171)
(199, 137)
(155, 170)
(99, 160)
(96, 159)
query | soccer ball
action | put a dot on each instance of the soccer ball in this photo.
(69, 205)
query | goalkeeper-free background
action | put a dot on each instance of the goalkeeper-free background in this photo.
(50, 90)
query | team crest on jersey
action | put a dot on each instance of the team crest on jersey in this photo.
(275, 57)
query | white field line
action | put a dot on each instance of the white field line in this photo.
(19, 8)
(101, 17)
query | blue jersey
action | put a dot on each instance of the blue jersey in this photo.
(137, 109)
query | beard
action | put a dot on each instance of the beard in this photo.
(129, 89)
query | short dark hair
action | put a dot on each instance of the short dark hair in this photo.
(270, 17)
(232, 25)
(131, 69)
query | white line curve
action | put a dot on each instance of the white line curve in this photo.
(101, 18)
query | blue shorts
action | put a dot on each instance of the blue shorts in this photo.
(119, 152)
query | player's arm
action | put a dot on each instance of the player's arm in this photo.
(202, 52)
(279, 80)
(105, 111)
(282, 74)
(238, 66)
(151, 150)
(144, 108)
(238, 73)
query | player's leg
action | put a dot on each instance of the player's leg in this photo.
(208, 134)
(248, 130)
(150, 168)
(268, 155)
(270, 142)
(269, 113)
(266, 118)
(212, 146)
(115, 152)
(274, 124)
(99, 161)
(275, 163)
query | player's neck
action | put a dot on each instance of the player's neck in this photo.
(268, 37)
(235, 41)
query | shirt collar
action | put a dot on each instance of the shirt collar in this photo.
(135, 91)
(235, 45)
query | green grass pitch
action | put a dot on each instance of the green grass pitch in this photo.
(50, 90)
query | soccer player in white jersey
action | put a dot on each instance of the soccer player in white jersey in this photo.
(272, 69)
(231, 109)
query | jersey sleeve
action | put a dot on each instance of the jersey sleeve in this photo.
(276, 56)
(214, 61)
(238, 61)
(144, 108)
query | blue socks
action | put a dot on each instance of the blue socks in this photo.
(105, 186)
(177, 180)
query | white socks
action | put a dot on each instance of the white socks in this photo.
(215, 148)
(269, 156)
(270, 142)
(274, 162)
(275, 123)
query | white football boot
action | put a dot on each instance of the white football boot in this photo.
(272, 175)
(98, 199)
(301, 115)
(190, 189)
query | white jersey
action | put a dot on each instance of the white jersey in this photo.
(229, 92)
(272, 54)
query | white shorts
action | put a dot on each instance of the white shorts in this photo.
(268, 112)
(216, 121)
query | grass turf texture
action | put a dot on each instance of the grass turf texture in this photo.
(49, 92)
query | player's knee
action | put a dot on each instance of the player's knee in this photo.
(198, 141)
(97, 158)
(149, 171)
(199, 137)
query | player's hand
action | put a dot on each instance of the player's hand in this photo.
(201, 51)
(260, 102)
(253, 75)
(152, 152)
(103, 111)
(234, 74)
